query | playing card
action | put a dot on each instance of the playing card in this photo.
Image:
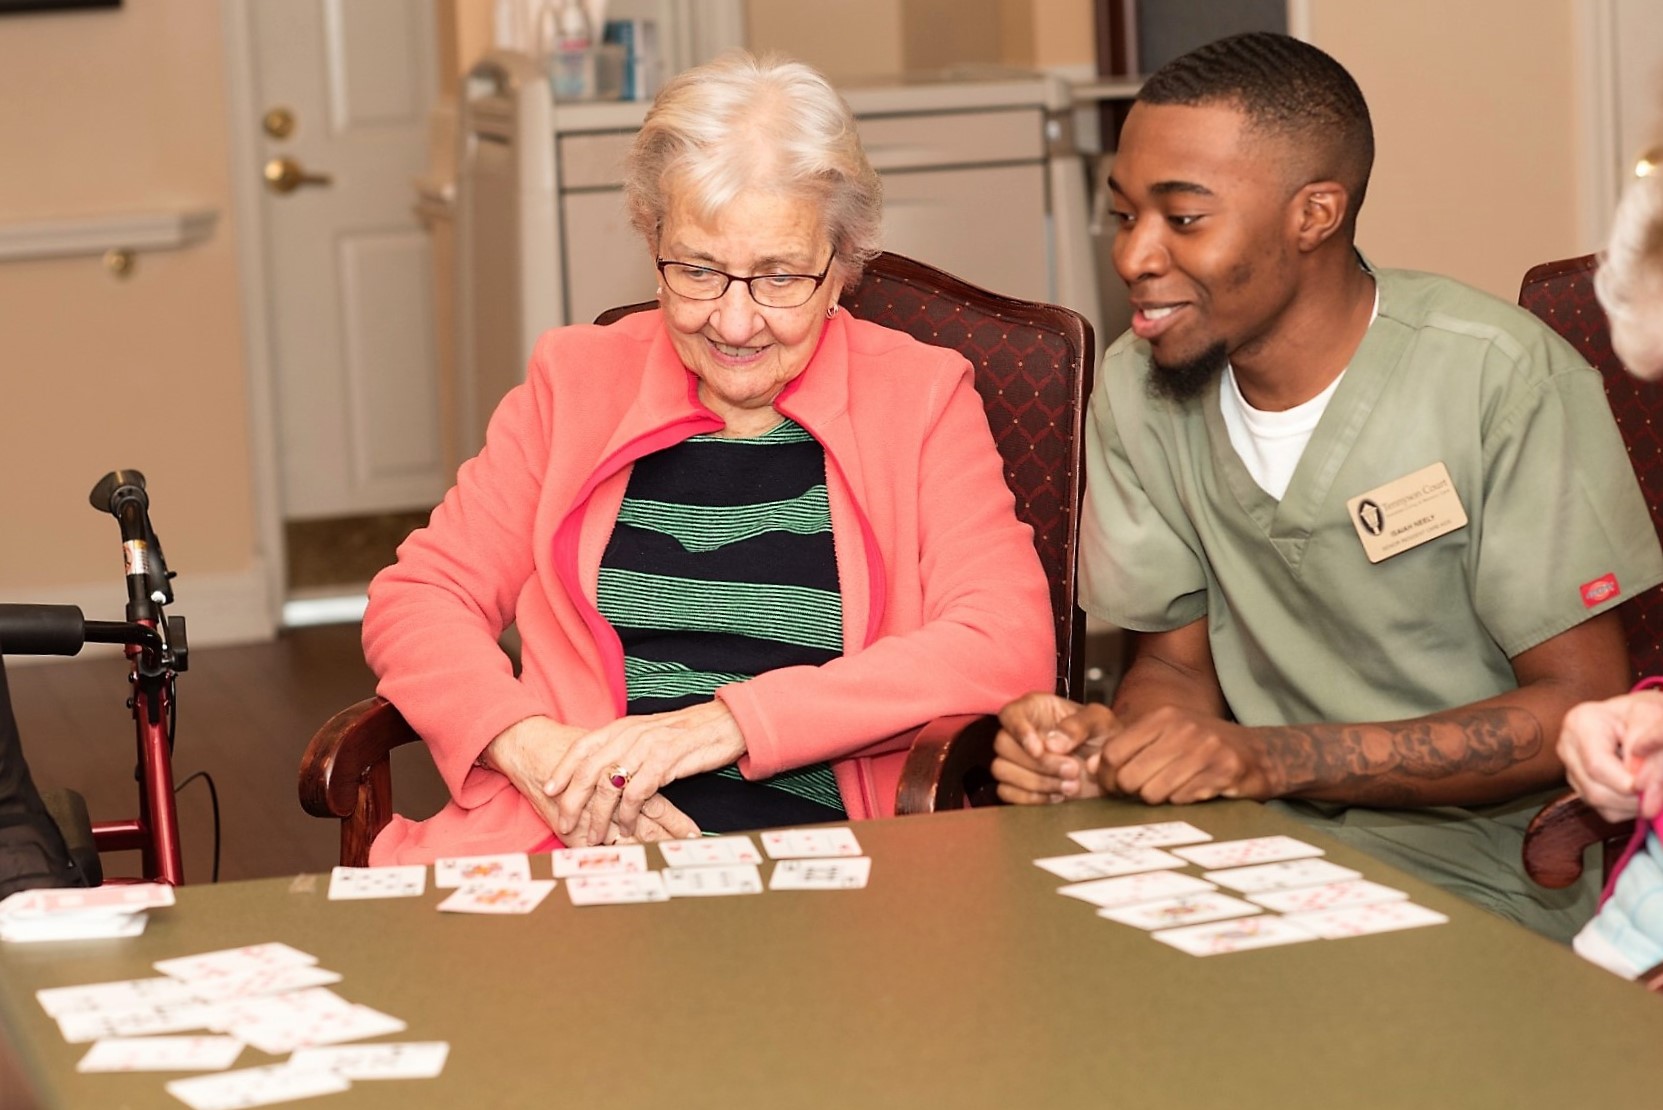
(450, 873)
(377, 882)
(283, 1026)
(1161, 834)
(1105, 864)
(116, 898)
(1146, 887)
(1276, 876)
(1240, 853)
(821, 874)
(121, 994)
(810, 843)
(270, 980)
(1192, 909)
(95, 925)
(402, 1060)
(1329, 896)
(1356, 921)
(709, 851)
(161, 1054)
(236, 1090)
(612, 859)
(92, 1025)
(1221, 937)
(598, 890)
(230, 963)
(697, 882)
(498, 896)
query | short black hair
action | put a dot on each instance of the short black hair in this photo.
(1285, 87)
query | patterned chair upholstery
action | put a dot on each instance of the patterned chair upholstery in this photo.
(1562, 294)
(1032, 366)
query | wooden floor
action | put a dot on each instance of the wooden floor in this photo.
(245, 716)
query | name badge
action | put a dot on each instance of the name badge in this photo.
(1407, 513)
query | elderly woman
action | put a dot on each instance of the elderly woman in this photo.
(746, 539)
(1613, 749)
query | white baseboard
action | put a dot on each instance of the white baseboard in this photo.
(220, 608)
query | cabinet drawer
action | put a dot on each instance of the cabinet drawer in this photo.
(593, 161)
(953, 138)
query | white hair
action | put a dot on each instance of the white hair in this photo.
(741, 122)
(1629, 281)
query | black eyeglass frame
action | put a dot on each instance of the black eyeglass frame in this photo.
(818, 280)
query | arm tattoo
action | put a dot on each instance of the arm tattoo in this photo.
(1393, 763)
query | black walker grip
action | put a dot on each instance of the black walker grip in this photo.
(42, 630)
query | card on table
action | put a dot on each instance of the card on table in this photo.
(161, 1054)
(1219, 938)
(1160, 834)
(1168, 913)
(377, 882)
(709, 851)
(611, 889)
(92, 1025)
(402, 1060)
(1146, 887)
(95, 925)
(1356, 921)
(460, 870)
(279, 1024)
(1329, 896)
(130, 994)
(821, 874)
(234, 1090)
(230, 963)
(1240, 853)
(115, 898)
(810, 843)
(271, 980)
(1108, 863)
(702, 882)
(498, 896)
(1276, 876)
(609, 859)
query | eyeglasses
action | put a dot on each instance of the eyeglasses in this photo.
(701, 283)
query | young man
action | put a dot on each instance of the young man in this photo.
(1327, 493)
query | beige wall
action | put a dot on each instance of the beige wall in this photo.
(106, 112)
(1475, 132)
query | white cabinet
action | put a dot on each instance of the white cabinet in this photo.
(978, 179)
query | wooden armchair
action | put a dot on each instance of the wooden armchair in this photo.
(1562, 294)
(1033, 369)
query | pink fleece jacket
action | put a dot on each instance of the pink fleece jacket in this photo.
(945, 607)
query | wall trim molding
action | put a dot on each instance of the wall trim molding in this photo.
(82, 235)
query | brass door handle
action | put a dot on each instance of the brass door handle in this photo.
(285, 175)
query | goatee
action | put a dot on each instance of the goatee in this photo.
(1185, 380)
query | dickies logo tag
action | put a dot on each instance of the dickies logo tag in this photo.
(1600, 590)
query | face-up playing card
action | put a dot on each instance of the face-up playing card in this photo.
(92, 1025)
(810, 843)
(1161, 834)
(709, 851)
(236, 1090)
(271, 980)
(821, 874)
(161, 1054)
(1219, 938)
(600, 890)
(1103, 865)
(1356, 921)
(403, 1060)
(377, 882)
(283, 1026)
(704, 882)
(129, 994)
(1146, 887)
(1277, 876)
(229, 963)
(1240, 853)
(115, 898)
(1329, 896)
(461, 870)
(1169, 913)
(498, 896)
(611, 859)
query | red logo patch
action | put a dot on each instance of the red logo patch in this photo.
(1600, 590)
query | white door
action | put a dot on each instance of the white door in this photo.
(342, 90)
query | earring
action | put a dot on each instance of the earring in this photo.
(659, 292)
(832, 311)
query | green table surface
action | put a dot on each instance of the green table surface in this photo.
(958, 977)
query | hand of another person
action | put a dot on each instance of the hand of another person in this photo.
(1613, 754)
(647, 751)
(1175, 756)
(526, 753)
(1046, 749)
